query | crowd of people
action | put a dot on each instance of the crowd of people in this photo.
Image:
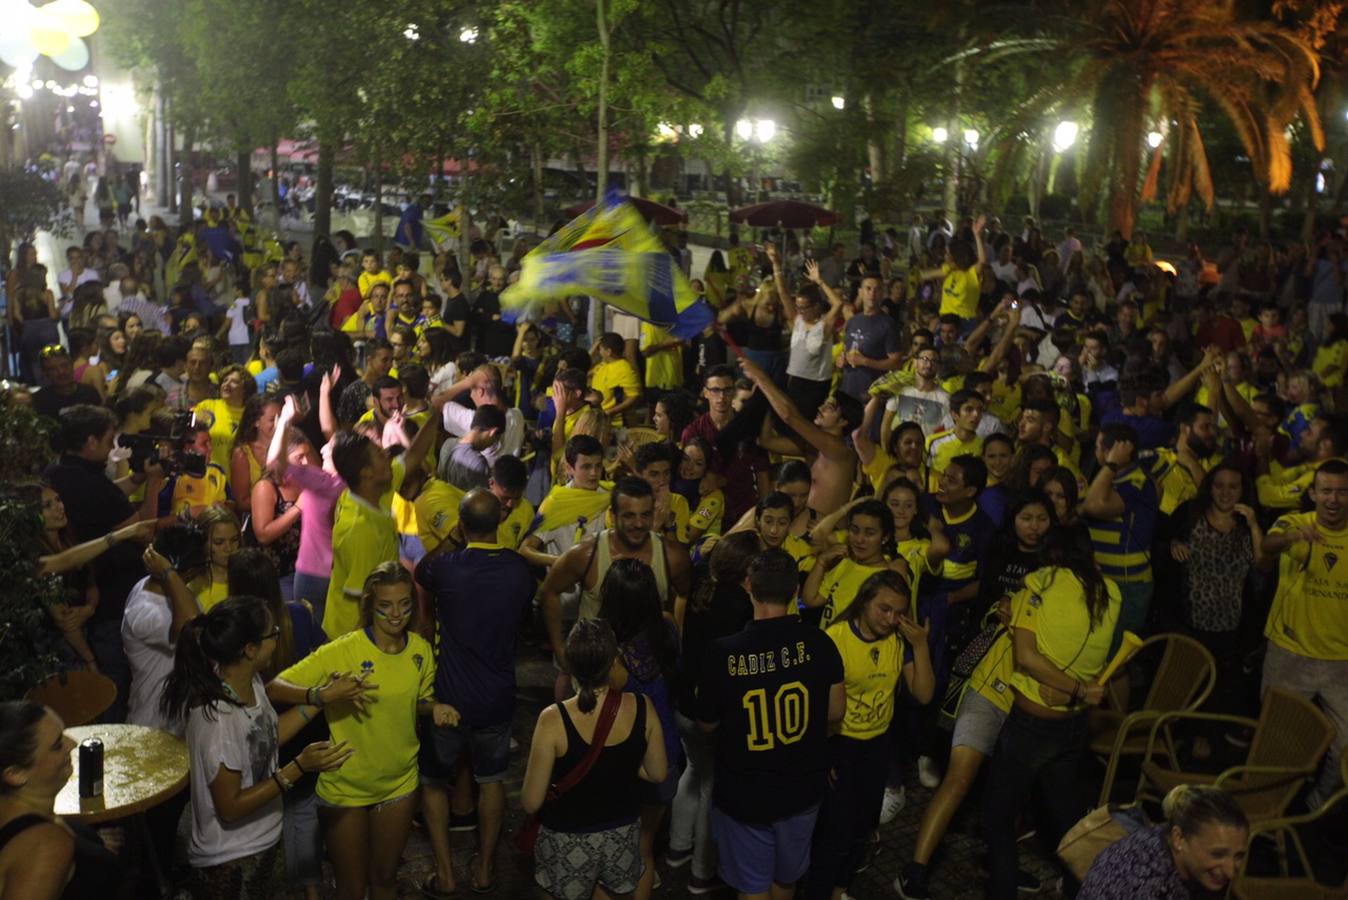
(888, 517)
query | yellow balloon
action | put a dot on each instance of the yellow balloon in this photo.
(78, 16)
(48, 33)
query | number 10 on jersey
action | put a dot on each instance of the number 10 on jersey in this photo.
(783, 721)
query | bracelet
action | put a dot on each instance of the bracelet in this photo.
(304, 714)
(314, 696)
(300, 766)
(281, 781)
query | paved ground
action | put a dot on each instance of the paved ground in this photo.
(956, 876)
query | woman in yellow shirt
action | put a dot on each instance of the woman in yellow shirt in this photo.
(924, 549)
(224, 413)
(366, 806)
(221, 529)
(842, 568)
(1061, 637)
(879, 641)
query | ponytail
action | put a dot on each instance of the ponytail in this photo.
(208, 642)
(1189, 807)
(590, 651)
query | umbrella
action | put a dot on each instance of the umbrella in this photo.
(655, 213)
(786, 213)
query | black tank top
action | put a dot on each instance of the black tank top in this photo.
(97, 868)
(765, 337)
(607, 797)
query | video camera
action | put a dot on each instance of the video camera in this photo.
(146, 447)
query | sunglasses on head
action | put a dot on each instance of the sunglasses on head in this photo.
(54, 350)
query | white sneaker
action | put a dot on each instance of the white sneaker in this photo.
(895, 798)
(927, 773)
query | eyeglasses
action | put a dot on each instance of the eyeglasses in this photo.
(272, 635)
(54, 350)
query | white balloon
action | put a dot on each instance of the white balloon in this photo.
(74, 57)
(16, 50)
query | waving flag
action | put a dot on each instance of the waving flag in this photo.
(443, 229)
(609, 253)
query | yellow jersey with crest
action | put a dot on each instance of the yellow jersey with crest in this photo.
(1309, 616)
(871, 670)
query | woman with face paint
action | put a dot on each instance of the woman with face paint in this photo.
(366, 807)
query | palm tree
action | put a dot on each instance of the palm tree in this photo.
(1135, 62)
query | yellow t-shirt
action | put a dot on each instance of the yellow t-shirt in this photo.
(363, 536)
(710, 510)
(384, 736)
(678, 529)
(208, 593)
(616, 373)
(871, 671)
(1054, 609)
(960, 289)
(914, 552)
(942, 448)
(1330, 363)
(839, 588)
(366, 281)
(664, 369)
(224, 422)
(1309, 616)
(991, 678)
(437, 508)
(190, 491)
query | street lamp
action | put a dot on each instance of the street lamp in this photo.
(1064, 136)
(839, 102)
(971, 138)
(695, 130)
(764, 129)
(744, 129)
(411, 32)
(468, 35)
(939, 134)
(1154, 139)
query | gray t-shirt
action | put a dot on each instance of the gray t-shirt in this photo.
(876, 336)
(464, 466)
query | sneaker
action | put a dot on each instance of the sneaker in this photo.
(700, 886)
(676, 858)
(927, 773)
(872, 851)
(912, 883)
(466, 822)
(1026, 883)
(895, 798)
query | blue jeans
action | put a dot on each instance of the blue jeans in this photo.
(1136, 596)
(105, 639)
(690, 817)
(311, 588)
(302, 837)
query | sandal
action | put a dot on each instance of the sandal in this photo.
(430, 888)
(472, 879)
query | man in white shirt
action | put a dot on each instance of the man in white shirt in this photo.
(156, 610)
(486, 391)
(1070, 244)
(924, 401)
(75, 275)
(291, 275)
(112, 294)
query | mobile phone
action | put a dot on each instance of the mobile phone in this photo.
(1015, 304)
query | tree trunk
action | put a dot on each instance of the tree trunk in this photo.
(1182, 224)
(276, 187)
(323, 189)
(643, 174)
(601, 164)
(378, 202)
(170, 165)
(1265, 213)
(185, 181)
(875, 153)
(1123, 181)
(950, 160)
(1312, 210)
(536, 167)
(243, 162)
(732, 188)
(901, 131)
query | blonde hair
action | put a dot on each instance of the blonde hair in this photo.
(383, 575)
(595, 423)
(1189, 807)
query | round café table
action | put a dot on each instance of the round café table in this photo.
(142, 767)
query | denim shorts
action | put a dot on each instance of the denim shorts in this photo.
(488, 750)
(978, 723)
(754, 857)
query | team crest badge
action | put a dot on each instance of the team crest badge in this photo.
(1036, 601)
(416, 661)
(1331, 559)
(367, 668)
(875, 656)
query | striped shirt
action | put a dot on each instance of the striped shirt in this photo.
(1123, 544)
(152, 316)
(944, 447)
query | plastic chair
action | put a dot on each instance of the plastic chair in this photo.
(1182, 682)
(1290, 738)
(78, 697)
(1283, 832)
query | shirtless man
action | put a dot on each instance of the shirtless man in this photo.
(834, 465)
(585, 564)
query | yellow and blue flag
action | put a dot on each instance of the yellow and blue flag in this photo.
(444, 229)
(609, 253)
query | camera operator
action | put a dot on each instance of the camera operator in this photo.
(96, 506)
